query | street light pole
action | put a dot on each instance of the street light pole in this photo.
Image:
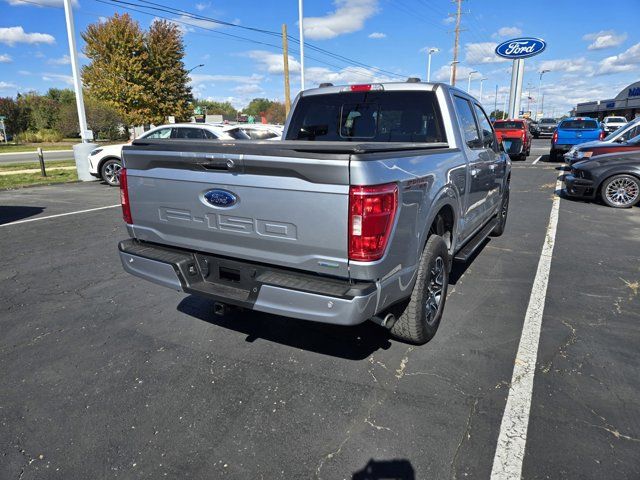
(481, 82)
(469, 81)
(431, 51)
(197, 66)
(301, 25)
(77, 83)
(540, 86)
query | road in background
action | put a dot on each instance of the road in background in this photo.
(107, 374)
(29, 157)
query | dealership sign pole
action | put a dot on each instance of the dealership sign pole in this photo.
(517, 50)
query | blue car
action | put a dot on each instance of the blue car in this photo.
(574, 131)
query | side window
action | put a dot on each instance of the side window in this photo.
(192, 133)
(162, 133)
(209, 135)
(261, 134)
(467, 121)
(488, 139)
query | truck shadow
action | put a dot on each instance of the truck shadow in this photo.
(351, 343)
(11, 213)
(386, 469)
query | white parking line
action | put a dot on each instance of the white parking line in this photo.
(536, 160)
(507, 462)
(58, 215)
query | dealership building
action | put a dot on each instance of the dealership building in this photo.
(626, 104)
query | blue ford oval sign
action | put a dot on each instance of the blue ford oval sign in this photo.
(521, 48)
(220, 198)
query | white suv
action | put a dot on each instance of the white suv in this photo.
(106, 162)
(613, 123)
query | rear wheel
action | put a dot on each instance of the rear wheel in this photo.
(621, 191)
(111, 171)
(502, 215)
(419, 316)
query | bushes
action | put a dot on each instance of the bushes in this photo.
(45, 135)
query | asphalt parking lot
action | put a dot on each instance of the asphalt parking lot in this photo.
(108, 376)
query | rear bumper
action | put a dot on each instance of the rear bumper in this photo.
(562, 147)
(251, 285)
(579, 187)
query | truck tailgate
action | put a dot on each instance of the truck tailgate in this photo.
(288, 209)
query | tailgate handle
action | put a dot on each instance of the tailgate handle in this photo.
(219, 164)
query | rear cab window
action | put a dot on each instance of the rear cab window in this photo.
(578, 125)
(374, 116)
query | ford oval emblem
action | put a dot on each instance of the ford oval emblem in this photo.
(521, 48)
(220, 198)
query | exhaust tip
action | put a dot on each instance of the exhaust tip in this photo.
(219, 309)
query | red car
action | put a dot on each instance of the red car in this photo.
(514, 136)
(590, 150)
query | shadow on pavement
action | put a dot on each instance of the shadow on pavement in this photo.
(458, 268)
(351, 343)
(386, 469)
(10, 214)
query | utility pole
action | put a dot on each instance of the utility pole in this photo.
(542, 106)
(77, 84)
(301, 24)
(495, 103)
(285, 60)
(456, 43)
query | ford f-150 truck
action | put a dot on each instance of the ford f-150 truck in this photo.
(357, 214)
(574, 131)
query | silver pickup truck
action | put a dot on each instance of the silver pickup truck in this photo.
(357, 214)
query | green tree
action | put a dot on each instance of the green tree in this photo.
(498, 114)
(140, 74)
(104, 120)
(216, 108)
(257, 107)
(63, 96)
(43, 111)
(16, 120)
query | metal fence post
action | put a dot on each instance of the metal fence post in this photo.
(41, 160)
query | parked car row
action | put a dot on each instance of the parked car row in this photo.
(106, 162)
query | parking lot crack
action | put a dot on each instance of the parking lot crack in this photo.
(447, 380)
(562, 350)
(466, 435)
(610, 428)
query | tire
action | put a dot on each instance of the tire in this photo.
(419, 316)
(110, 171)
(621, 191)
(502, 215)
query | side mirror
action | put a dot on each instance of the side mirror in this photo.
(620, 139)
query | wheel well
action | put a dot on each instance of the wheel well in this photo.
(102, 162)
(443, 225)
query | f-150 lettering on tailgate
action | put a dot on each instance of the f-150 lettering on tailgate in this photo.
(231, 223)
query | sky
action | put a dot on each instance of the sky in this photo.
(592, 52)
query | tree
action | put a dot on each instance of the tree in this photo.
(498, 114)
(140, 74)
(216, 108)
(276, 113)
(104, 120)
(15, 119)
(257, 107)
(42, 111)
(63, 96)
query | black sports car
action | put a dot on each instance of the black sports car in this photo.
(615, 178)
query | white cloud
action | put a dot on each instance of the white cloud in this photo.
(449, 20)
(348, 17)
(377, 35)
(507, 32)
(13, 35)
(443, 74)
(273, 63)
(202, 6)
(198, 78)
(483, 52)
(56, 78)
(7, 86)
(63, 60)
(41, 3)
(627, 61)
(24, 72)
(604, 39)
(569, 65)
(249, 89)
(4, 58)
(318, 75)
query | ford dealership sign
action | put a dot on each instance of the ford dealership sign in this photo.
(521, 48)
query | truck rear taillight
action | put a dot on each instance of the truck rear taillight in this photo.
(124, 197)
(372, 210)
(554, 139)
(601, 136)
